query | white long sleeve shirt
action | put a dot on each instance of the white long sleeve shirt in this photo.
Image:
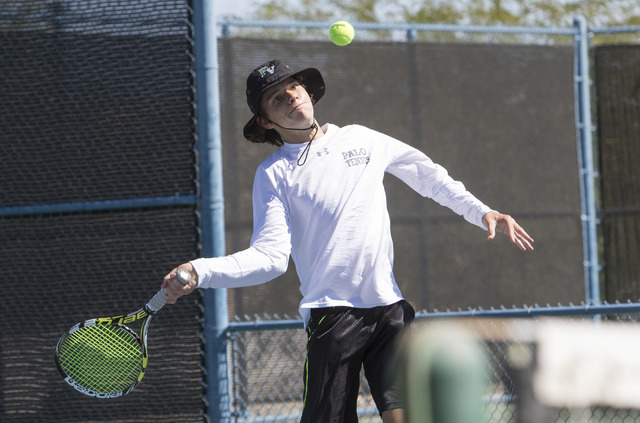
(330, 215)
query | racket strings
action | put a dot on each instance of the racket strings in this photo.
(102, 358)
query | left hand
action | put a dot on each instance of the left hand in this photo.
(507, 225)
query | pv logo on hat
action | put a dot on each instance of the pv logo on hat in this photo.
(267, 69)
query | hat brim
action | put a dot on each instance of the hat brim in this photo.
(311, 78)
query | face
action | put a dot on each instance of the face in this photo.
(288, 104)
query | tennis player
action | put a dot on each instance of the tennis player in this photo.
(319, 198)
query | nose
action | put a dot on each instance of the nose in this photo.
(293, 95)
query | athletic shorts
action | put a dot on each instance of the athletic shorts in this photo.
(341, 340)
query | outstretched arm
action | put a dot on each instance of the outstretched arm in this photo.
(506, 224)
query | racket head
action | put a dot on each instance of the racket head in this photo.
(102, 360)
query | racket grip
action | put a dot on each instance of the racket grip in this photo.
(157, 302)
(183, 276)
(160, 299)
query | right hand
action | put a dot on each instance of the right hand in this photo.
(173, 286)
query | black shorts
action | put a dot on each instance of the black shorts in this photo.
(341, 340)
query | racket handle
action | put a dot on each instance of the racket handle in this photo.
(183, 276)
(160, 299)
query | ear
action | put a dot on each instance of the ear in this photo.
(264, 122)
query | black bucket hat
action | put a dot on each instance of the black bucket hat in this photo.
(267, 75)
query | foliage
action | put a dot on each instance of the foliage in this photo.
(479, 12)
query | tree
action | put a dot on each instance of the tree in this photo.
(559, 13)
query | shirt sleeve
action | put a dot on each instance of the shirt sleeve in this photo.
(268, 254)
(431, 180)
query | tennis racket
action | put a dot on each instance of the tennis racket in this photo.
(102, 357)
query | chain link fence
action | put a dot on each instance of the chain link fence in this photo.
(267, 357)
(268, 352)
(97, 144)
(499, 117)
(98, 136)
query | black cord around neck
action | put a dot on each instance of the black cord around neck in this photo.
(305, 152)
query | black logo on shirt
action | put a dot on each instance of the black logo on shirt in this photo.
(321, 152)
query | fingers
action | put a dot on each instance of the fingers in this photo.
(522, 241)
(521, 238)
(507, 225)
(518, 235)
(492, 229)
(165, 280)
(490, 222)
(173, 290)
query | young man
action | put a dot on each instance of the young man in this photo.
(319, 198)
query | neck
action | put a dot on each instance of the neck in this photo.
(301, 135)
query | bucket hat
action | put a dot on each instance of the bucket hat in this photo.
(269, 74)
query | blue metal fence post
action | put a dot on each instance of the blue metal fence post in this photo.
(585, 154)
(209, 150)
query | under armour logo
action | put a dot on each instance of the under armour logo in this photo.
(323, 151)
(267, 69)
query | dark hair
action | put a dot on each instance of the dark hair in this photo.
(271, 136)
(264, 135)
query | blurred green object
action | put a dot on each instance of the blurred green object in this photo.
(443, 377)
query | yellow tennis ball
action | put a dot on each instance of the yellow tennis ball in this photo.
(341, 33)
